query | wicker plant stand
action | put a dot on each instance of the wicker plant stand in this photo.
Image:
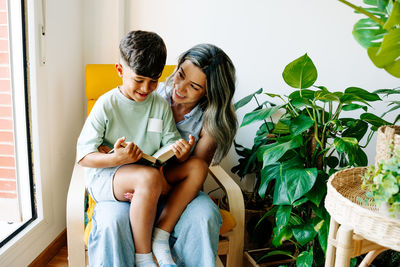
(356, 228)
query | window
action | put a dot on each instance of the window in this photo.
(17, 207)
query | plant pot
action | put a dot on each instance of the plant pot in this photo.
(251, 257)
(260, 236)
(384, 210)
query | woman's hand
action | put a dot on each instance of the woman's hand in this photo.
(126, 153)
(182, 148)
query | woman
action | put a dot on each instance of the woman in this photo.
(200, 93)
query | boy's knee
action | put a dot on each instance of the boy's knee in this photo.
(150, 181)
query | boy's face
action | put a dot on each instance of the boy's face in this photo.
(135, 87)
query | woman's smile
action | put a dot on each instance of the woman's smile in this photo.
(178, 95)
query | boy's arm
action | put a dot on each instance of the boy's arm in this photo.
(122, 155)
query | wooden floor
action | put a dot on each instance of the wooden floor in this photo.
(60, 260)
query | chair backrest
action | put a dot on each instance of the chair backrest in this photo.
(101, 78)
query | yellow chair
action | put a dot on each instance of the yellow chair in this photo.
(101, 78)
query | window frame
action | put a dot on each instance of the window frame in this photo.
(39, 231)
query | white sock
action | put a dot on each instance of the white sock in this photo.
(144, 260)
(161, 248)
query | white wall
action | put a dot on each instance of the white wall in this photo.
(57, 114)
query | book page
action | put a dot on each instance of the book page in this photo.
(162, 151)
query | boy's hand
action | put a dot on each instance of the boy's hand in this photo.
(126, 153)
(182, 148)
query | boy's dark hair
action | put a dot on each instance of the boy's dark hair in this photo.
(144, 52)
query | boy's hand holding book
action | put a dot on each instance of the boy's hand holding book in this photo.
(182, 148)
(126, 153)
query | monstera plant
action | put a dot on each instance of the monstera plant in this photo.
(302, 139)
(379, 32)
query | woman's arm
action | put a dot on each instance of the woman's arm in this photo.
(205, 147)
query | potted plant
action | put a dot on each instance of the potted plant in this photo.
(382, 183)
(299, 143)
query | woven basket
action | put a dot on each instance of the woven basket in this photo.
(387, 135)
(344, 205)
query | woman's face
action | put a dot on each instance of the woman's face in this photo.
(189, 84)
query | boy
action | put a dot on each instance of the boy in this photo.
(146, 123)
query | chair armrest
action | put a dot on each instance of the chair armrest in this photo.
(236, 208)
(233, 192)
(75, 218)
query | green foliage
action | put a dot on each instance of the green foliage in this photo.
(394, 104)
(383, 182)
(379, 33)
(299, 143)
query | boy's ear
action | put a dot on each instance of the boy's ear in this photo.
(118, 66)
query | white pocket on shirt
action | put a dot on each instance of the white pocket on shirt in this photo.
(154, 125)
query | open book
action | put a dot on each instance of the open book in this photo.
(158, 159)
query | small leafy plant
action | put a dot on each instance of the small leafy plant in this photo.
(300, 142)
(383, 183)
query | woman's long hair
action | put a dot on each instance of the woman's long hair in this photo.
(219, 119)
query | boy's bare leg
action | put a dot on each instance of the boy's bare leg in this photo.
(146, 184)
(187, 179)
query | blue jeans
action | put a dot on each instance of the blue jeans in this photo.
(194, 240)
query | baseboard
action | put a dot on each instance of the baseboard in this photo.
(44, 258)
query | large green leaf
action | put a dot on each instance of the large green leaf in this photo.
(292, 184)
(368, 33)
(363, 94)
(268, 173)
(300, 73)
(351, 107)
(394, 18)
(277, 171)
(388, 54)
(322, 228)
(299, 182)
(283, 215)
(281, 128)
(373, 119)
(300, 124)
(356, 129)
(275, 151)
(347, 145)
(259, 115)
(361, 159)
(281, 234)
(305, 259)
(246, 99)
(304, 233)
(326, 96)
(318, 191)
(302, 94)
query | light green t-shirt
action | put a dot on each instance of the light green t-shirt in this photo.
(149, 124)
